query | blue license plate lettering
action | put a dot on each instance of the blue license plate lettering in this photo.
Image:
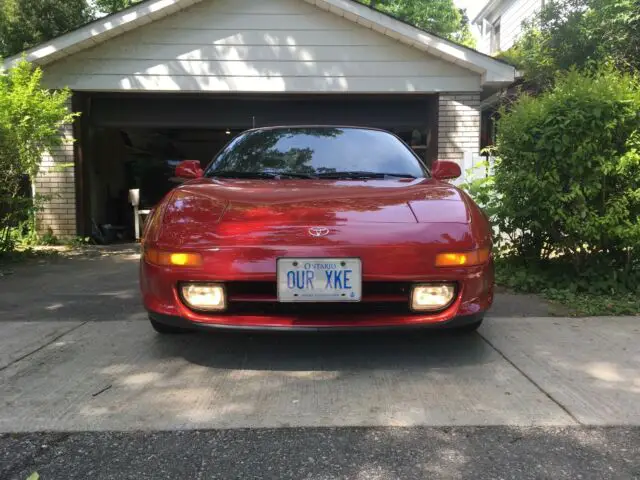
(318, 280)
(338, 279)
(300, 279)
(347, 279)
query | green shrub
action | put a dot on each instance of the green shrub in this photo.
(30, 117)
(567, 171)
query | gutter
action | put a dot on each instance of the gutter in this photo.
(490, 6)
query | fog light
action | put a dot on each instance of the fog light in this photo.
(432, 297)
(204, 296)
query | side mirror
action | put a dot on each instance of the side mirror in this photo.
(445, 170)
(189, 169)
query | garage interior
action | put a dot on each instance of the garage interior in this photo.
(134, 141)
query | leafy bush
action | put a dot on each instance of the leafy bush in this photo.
(480, 186)
(30, 118)
(600, 289)
(567, 172)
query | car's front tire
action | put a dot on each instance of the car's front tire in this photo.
(163, 329)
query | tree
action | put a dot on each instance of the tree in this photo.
(30, 118)
(440, 17)
(25, 23)
(578, 33)
(112, 6)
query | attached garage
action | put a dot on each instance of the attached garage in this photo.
(169, 80)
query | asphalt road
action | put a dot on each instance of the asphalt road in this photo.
(88, 390)
(344, 453)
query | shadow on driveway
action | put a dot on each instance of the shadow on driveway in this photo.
(325, 351)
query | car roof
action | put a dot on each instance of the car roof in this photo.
(302, 127)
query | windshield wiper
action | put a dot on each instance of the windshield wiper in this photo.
(267, 175)
(295, 175)
(363, 175)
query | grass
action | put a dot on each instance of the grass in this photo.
(588, 305)
(598, 291)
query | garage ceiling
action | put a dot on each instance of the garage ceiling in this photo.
(240, 112)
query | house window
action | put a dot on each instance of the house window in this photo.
(495, 37)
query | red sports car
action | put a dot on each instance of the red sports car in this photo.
(314, 228)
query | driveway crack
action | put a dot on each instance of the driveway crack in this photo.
(42, 347)
(536, 384)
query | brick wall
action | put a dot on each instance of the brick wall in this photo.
(458, 126)
(56, 180)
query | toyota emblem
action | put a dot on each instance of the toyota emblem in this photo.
(318, 231)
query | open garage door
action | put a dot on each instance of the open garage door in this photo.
(246, 111)
(134, 141)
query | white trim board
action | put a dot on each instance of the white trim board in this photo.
(491, 71)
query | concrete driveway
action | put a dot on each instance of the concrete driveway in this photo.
(77, 355)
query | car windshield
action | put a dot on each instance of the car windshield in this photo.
(316, 152)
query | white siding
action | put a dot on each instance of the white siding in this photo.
(512, 18)
(246, 45)
(511, 13)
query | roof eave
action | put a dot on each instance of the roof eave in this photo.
(490, 69)
(489, 7)
(99, 31)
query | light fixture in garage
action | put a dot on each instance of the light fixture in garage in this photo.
(228, 132)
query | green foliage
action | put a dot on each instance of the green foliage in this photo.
(578, 33)
(77, 242)
(25, 234)
(601, 289)
(481, 188)
(25, 23)
(112, 6)
(567, 171)
(34, 476)
(440, 17)
(30, 118)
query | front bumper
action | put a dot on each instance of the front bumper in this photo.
(183, 323)
(162, 301)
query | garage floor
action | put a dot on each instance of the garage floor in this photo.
(88, 390)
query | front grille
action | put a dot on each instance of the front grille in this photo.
(371, 291)
(317, 309)
(261, 298)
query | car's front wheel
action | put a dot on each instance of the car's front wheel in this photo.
(163, 329)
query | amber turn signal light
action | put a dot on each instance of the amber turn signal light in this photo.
(172, 259)
(466, 259)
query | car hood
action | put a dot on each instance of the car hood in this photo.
(218, 209)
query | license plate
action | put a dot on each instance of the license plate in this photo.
(319, 279)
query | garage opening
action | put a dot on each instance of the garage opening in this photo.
(135, 141)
